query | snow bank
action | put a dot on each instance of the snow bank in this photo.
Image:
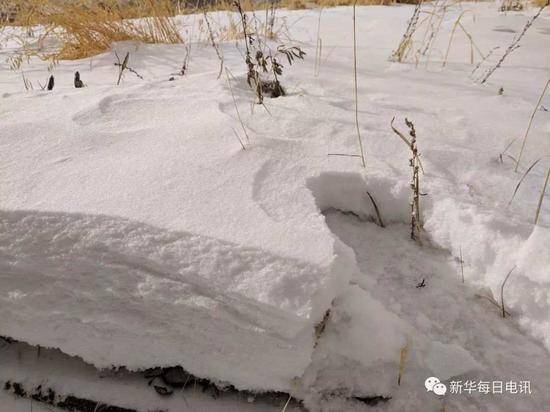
(95, 286)
(347, 192)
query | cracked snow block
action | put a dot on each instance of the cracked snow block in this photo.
(229, 313)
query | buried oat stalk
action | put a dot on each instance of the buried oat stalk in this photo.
(416, 165)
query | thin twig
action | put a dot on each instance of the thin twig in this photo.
(355, 86)
(319, 46)
(429, 47)
(236, 107)
(287, 402)
(539, 206)
(494, 302)
(514, 45)
(124, 66)
(521, 180)
(483, 60)
(406, 40)
(381, 222)
(506, 148)
(402, 358)
(213, 41)
(531, 122)
(461, 265)
(239, 139)
(344, 154)
(502, 292)
(459, 24)
(121, 65)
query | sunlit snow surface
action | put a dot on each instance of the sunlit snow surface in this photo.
(136, 232)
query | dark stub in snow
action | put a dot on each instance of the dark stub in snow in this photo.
(372, 400)
(272, 89)
(68, 403)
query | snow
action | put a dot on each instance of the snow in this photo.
(65, 375)
(156, 288)
(452, 332)
(131, 218)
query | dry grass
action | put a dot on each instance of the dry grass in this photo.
(522, 179)
(82, 28)
(248, 5)
(524, 141)
(402, 358)
(355, 93)
(335, 3)
(405, 44)
(541, 198)
(503, 308)
(318, 46)
(293, 4)
(473, 45)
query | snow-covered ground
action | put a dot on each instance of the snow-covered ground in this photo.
(136, 232)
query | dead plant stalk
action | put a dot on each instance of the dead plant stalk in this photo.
(124, 66)
(236, 107)
(473, 45)
(461, 265)
(319, 46)
(539, 206)
(522, 179)
(402, 358)
(515, 43)
(214, 44)
(531, 122)
(355, 85)
(414, 162)
(502, 292)
(406, 41)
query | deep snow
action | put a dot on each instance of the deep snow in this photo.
(131, 218)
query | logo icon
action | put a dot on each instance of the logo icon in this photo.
(434, 385)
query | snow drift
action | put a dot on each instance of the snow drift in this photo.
(97, 286)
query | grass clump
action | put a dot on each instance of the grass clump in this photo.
(263, 64)
(84, 28)
(335, 3)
